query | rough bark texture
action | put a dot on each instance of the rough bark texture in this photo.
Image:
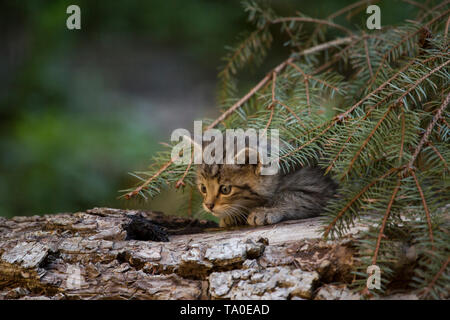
(108, 253)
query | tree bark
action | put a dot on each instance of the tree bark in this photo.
(108, 253)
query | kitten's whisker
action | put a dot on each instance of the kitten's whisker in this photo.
(238, 213)
(229, 214)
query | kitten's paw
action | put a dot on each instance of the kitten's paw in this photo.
(263, 216)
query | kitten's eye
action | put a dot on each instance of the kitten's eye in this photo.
(203, 188)
(225, 189)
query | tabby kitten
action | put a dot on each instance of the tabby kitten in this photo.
(239, 194)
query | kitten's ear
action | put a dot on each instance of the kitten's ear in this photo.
(249, 157)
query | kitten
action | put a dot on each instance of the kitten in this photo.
(238, 194)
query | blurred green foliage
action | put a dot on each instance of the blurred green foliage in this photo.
(60, 161)
(68, 135)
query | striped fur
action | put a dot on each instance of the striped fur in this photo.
(258, 200)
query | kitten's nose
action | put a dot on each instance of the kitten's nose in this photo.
(210, 206)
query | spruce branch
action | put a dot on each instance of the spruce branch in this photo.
(344, 145)
(300, 122)
(306, 82)
(268, 77)
(149, 180)
(438, 154)
(327, 45)
(447, 25)
(385, 218)
(422, 79)
(238, 54)
(331, 225)
(307, 77)
(307, 19)
(350, 7)
(249, 94)
(366, 141)
(388, 142)
(425, 206)
(337, 56)
(366, 49)
(272, 110)
(404, 39)
(345, 114)
(382, 86)
(434, 10)
(340, 12)
(241, 101)
(180, 182)
(296, 150)
(430, 127)
(436, 277)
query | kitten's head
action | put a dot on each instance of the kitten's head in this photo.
(232, 189)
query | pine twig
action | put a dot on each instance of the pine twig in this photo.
(144, 185)
(249, 94)
(367, 187)
(425, 206)
(241, 101)
(386, 55)
(436, 277)
(438, 154)
(313, 20)
(366, 141)
(369, 111)
(309, 76)
(300, 122)
(180, 182)
(366, 49)
(398, 102)
(341, 150)
(238, 51)
(385, 218)
(277, 69)
(382, 86)
(340, 12)
(447, 25)
(402, 142)
(330, 125)
(423, 78)
(336, 57)
(434, 9)
(272, 109)
(329, 44)
(272, 103)
(351, 7)
(427, 133)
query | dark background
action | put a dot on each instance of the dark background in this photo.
(79, 109)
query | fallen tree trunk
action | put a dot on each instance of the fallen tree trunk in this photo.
(108, 253)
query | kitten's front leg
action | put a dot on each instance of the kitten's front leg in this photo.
(261, 216)
(229, 221)
(225, 222)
